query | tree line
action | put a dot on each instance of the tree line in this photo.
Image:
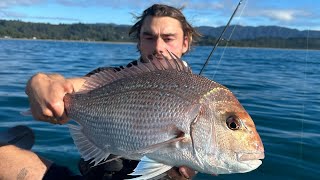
(267, 42)
(119, 33)
(79, 31)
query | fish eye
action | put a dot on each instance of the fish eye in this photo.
(233, 123)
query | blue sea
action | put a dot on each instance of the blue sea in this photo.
(280, 89)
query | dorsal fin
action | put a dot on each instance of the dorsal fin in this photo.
(109, 75)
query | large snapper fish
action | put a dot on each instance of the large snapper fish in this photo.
(163, 115)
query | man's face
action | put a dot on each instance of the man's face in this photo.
(159, 34)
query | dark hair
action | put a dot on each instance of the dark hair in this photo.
(160, 10)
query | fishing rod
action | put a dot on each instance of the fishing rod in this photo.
(220, 37)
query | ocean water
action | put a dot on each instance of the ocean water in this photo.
(280, 89)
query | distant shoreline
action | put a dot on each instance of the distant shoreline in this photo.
(246, 36)
(133, 43)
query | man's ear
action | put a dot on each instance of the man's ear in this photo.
(185, 45)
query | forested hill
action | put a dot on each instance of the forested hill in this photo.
(262, 36)
(250, 32)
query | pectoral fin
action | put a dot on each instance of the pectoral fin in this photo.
(87, 149)
(155, 147)
(148, 169)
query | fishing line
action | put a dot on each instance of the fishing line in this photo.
(227, 42)
(220, 37)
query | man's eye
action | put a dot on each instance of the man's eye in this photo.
(148, 37)
(168, 39)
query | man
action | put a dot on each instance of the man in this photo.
(158, 30)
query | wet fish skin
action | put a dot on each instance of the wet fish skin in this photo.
(136, 115)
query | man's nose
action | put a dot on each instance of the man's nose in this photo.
(160, 46)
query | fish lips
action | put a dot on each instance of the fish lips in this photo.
(250, 156)
(252, 160)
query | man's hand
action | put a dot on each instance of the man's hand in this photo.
(181, 173)
(46, 92)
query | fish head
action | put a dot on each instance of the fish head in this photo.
(233, 144)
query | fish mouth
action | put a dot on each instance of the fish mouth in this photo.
(249, 156)
(251, 160)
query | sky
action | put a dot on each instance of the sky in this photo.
(296, 14)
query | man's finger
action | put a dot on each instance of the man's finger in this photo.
(187, 172)
(68, 87)
(174, 173)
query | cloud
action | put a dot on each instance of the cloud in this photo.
(280, 15)
(10, 14)
(198, 12)
(55, 18)
(199, 20)
(189, 4)
(5, 13)
(289, 17)
(274, 11)
(80, 3)
(195, 5)
(15, 15)
(9, 3)
(99, 3)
